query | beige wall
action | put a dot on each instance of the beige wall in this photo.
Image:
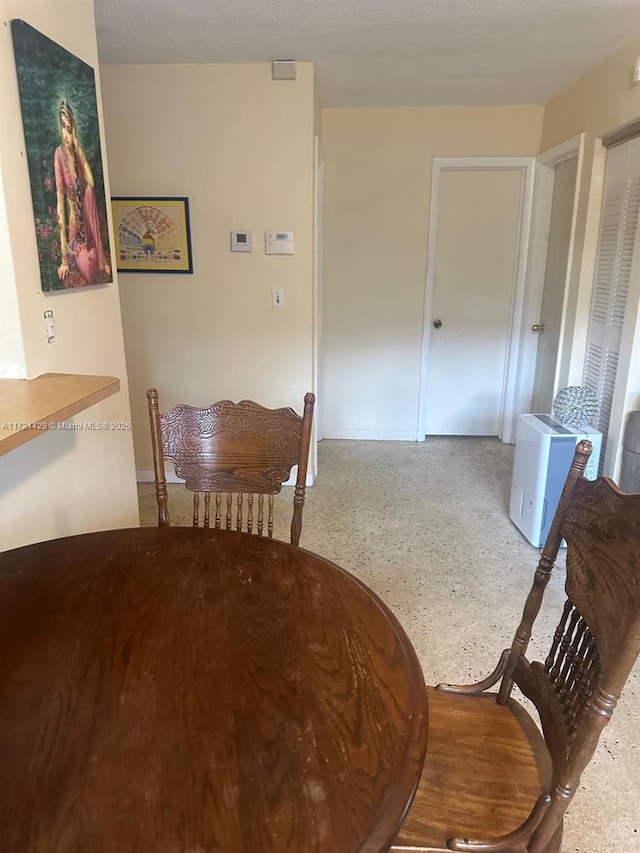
(378, 164)
(59, 483)
(12, 358)
(601, 101)
(240, 146)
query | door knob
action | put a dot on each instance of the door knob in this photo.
(437, 324)
(537, 327)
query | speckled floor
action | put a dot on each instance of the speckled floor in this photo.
(426, 527)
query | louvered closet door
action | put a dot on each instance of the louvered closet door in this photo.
(618, 224)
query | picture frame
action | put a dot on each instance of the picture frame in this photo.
(152, 234)
(59, 108)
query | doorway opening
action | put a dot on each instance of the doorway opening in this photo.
(479, 232)
(545, 323)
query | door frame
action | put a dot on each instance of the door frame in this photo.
(544, 177)
(318, 256)
(508, 405)
(317, 321)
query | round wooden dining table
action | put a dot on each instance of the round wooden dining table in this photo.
(183, 690)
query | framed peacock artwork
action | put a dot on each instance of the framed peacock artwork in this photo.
(152, 234)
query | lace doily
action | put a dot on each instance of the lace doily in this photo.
(575, 406)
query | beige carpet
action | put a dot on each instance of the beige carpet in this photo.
(426, 527)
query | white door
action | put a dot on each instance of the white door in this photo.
(476, 252)
(555, 278)
(611, 287)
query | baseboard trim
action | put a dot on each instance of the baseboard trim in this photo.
(369, 434)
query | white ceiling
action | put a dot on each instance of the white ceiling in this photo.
(382, 52)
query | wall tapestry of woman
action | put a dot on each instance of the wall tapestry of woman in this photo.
(81, 248)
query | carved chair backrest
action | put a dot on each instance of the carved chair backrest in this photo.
(597, 640)
(231, 452)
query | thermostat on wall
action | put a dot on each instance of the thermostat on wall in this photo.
(241, 241)
(278, 242)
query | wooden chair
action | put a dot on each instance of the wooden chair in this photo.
(232, 451)
(491, 780)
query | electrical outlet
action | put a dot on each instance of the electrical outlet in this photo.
(277, 297)
(49, 319)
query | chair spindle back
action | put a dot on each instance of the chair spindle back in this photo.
(233, 452)
(597, 640)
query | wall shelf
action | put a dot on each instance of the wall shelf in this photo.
(28, 406)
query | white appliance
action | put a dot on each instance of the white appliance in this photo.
(543, 455)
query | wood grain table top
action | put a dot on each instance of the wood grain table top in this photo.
(186, 690)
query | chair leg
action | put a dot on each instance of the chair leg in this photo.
(555, 845)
